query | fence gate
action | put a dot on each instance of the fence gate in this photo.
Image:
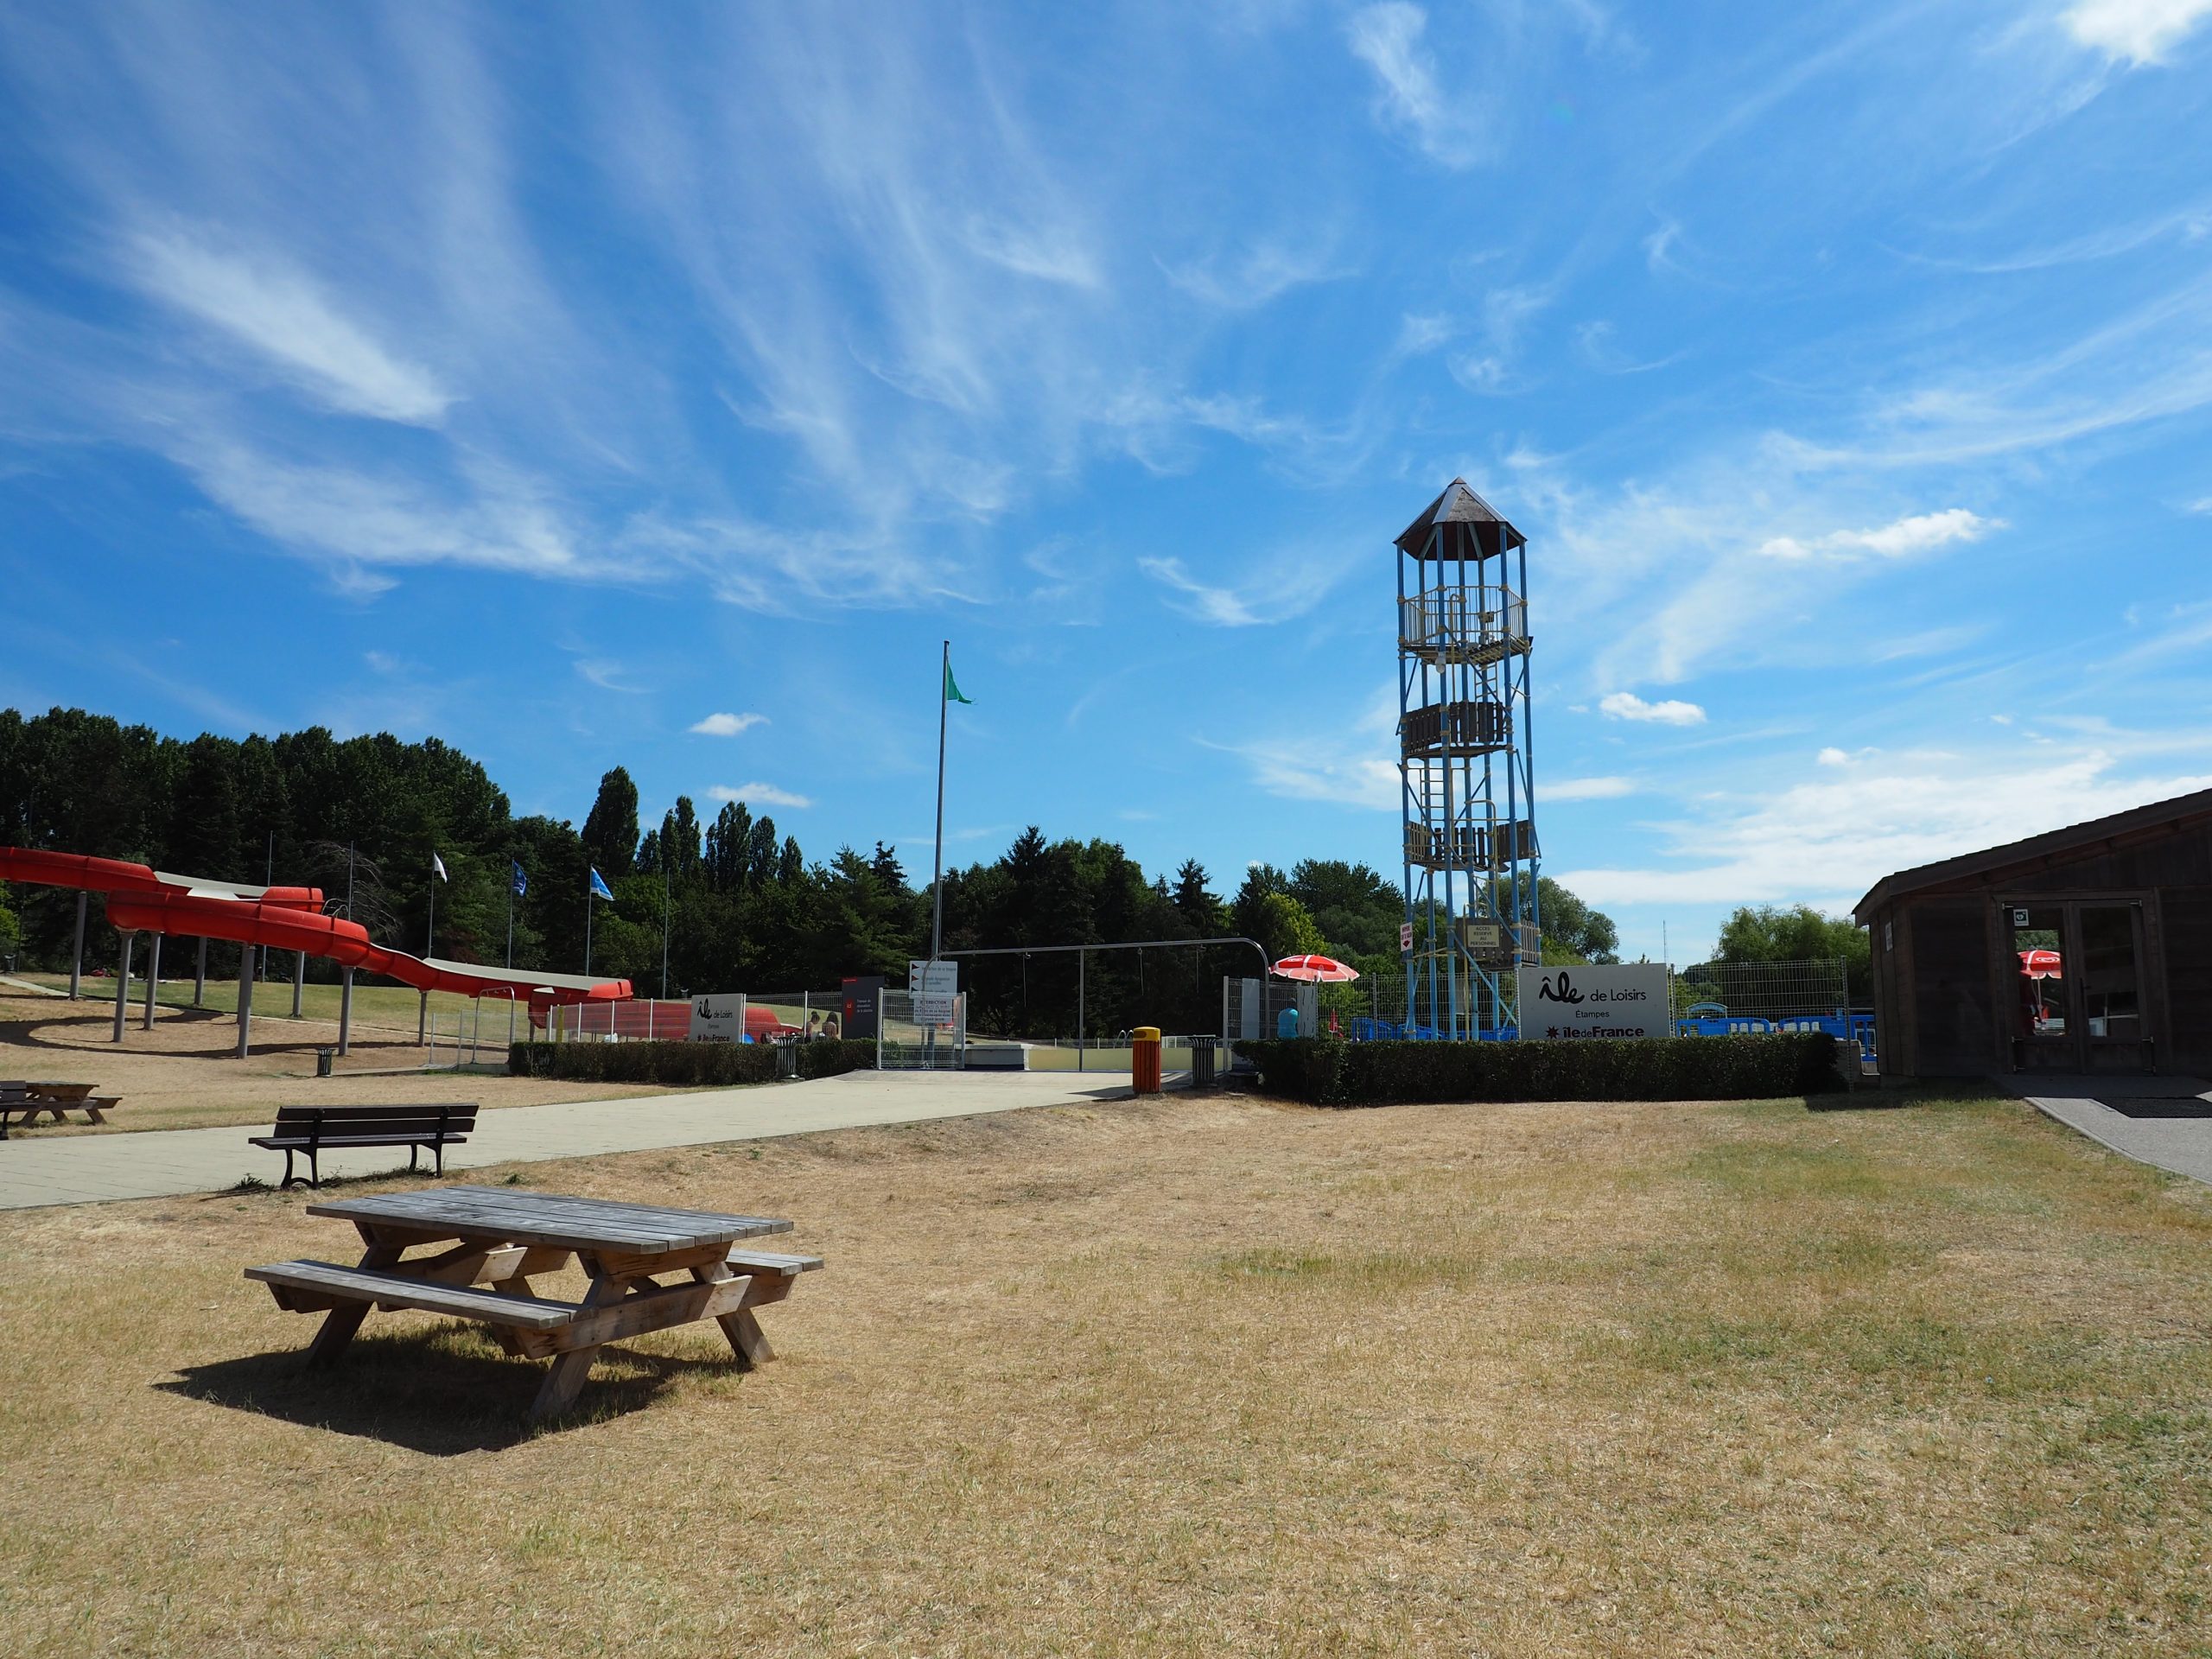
(903, 1043)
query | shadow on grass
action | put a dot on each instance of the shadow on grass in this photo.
(441, 1391)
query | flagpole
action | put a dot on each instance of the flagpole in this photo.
(937, 857)
(587, 927)
(510, 915)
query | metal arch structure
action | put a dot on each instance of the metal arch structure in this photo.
(1465, 765)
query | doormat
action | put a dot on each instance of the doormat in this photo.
(2151, 1106)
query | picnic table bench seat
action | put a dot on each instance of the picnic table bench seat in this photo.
(309, 1130)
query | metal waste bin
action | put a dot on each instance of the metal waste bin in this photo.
(1202, 1063)
(322, 1062)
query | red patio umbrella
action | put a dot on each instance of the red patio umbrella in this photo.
(1315, 971)
(2041, 964)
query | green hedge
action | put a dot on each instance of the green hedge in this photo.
(679, 1063)
(1326, 1071)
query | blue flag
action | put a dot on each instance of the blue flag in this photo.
(522, 882)
(599, 886)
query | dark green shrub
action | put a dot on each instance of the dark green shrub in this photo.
(1326, 1073)
(828, 1057)
(682, 1064)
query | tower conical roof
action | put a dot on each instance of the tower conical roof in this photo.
(1486, 533)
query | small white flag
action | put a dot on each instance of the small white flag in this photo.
(439, 865)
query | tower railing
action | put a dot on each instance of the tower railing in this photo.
(1463, 623)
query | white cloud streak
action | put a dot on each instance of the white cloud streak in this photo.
(1387, 39)
(1588, 788)
(2140, 31)
(1842, 833)
(759, 794)
(279, 313)
(1670, 711)
(726, 725)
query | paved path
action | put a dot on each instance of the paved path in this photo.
(2181, 1145)
(159, 1163)
(24, 988)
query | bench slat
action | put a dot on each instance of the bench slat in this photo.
(461, 1302)
(300, 1143)
(457, 1111)
(773, 1262)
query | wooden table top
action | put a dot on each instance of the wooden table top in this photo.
(60, 1090)
(516, 1214)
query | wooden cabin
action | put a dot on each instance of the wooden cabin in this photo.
(2087, 949)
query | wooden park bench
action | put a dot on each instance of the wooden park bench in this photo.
(312, 1130)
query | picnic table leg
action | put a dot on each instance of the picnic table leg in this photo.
(565, 1381)
(343, 1320)
(747, 1339)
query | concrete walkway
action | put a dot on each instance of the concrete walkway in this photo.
(2181, 1145)
(161, 1163)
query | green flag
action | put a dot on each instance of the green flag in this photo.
(952, 686)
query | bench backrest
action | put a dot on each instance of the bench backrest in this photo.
(453, 1116)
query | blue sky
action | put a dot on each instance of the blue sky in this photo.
(554, 381)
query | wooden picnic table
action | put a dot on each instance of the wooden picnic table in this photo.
(501, 1237)
(56, 1098)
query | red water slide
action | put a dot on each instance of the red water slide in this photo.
(144, 901)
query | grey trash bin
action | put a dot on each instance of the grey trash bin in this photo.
(1202, 1063)
(322, 1061)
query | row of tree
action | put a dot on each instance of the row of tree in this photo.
(726, 903)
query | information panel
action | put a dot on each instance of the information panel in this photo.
(717, 1020)
(1622, 999)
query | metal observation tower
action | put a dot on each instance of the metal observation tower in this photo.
(1470, 853)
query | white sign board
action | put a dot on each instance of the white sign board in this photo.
(1624, 1000)
(1405, 938)
(717, 1020)
(935, 987)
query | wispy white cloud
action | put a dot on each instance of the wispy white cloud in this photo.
(262, 302)
(726, 725)
(1918, 532)
(1389, 39)
(1841, 834)
(759, 794)
(1254, 274)
(1589, 789)
(2141, 31)
(607, 675)
(1669, 711)
(1289, 586)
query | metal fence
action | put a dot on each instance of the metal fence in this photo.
(1770, 991)
(1709, 998)
(904, 1043)
(641, 1019)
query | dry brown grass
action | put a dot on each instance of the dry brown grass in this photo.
(1190, 1377)
(181, 1074)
